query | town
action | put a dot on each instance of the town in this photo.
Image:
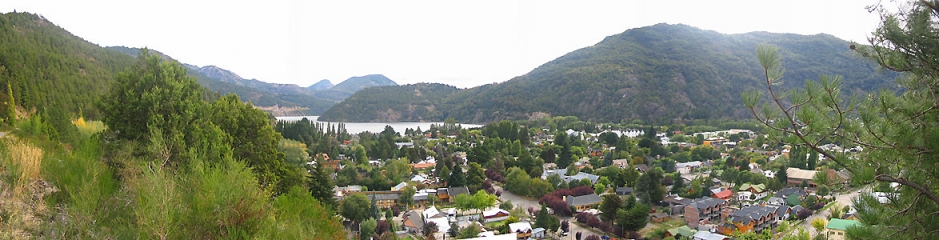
(562, 178)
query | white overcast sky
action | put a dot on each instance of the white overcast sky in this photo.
(461, 43)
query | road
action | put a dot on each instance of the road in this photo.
(524, 203)
(844, 199)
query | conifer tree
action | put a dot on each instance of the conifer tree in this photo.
(899, 130)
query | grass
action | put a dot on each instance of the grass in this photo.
(24, 165)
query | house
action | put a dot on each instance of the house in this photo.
(623, 191)
(705, 235)
(413, 222)
(584, 202)
(659, 217)
(753, 218)
(538, 233)
(683, 231)
(797, 176)
(522, 229)
(758, 190)
(792, 195)
(455, 191)
(642, 168)
(399, 187)
(676, 204)
(723, 195)
(384, 199)
(495, 215)
(443, 194)
(704, 210)
(422, 196)
(776, 201)
(621, 163)
(688, 167)
(836, 228)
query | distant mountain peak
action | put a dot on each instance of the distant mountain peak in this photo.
(222, 74)
(321, 85)
(354, 84)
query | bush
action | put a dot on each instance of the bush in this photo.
(592, 237)
(582, 217)
(818, 206)
(805, 213)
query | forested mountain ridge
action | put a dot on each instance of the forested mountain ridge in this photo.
(412, 102)
(278, 99)
(658, 73)
(46, 65)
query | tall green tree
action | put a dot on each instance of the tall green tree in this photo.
(898, 129)
(608, 207)
(155, 97)
(355, 207)
(457, 177)
(320, 183)
(649, 186)
(566, 157)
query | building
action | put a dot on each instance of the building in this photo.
(758, 190)
(455, 191)
(582, 203)
(704, 210)
(623, 191)
(797, 176)
(754, 218)
(384, 199)
(495, 215)
(413, 222)
(399, 187)
(836, 228)
(723, 195)
(522, 230)
(683, 231)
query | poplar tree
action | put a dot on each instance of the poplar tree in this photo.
(898, 129)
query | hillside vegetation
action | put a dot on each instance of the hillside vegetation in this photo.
(95, 144)
(660, 74)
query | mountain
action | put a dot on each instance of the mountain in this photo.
(46, 65)
(321, 85)
(414, 102)
(355, 84)
(659, 74)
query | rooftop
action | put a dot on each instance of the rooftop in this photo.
(841, 224)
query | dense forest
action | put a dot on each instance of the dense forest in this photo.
(413, 102)
(656, 74)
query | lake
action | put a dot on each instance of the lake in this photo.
(354, 128)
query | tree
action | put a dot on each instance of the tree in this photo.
(812, 161)
(819, 224)
(471, 231)
(507, 205)
(649, 186)
(444, 173)
(539, 187)
(454, 230)
(355, 207)
(608, 207)
(475, 175)
(517, 181)
(360, 156)
(407, 196)
(891, 125)
(572, 170)
(367, 228)
(565, 226)
(429, 229)
(321, 184)
(634, 218)
(155, 97)
(566, 157)
(542, 221)
(782, 176)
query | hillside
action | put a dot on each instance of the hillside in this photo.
(659, 73)
(321, 85)
(46, 65)
(411, 102)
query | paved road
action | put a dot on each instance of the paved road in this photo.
(524, 203)
(844, 199)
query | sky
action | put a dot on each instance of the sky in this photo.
(460, 43)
